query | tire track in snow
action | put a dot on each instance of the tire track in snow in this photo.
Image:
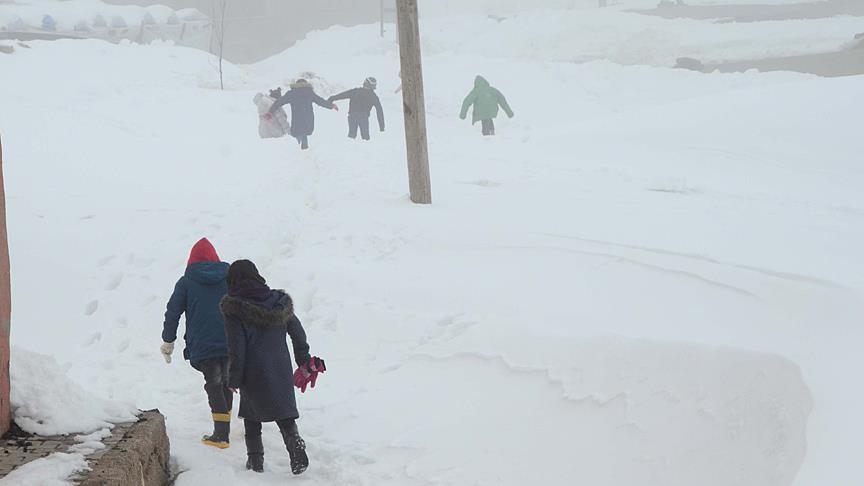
(706, 259)
(659, 268)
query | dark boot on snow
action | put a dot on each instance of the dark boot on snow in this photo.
(296, 448)
(219, 437)
(255, 453)
(255, 463)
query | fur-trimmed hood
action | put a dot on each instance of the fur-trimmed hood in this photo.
(275, 311)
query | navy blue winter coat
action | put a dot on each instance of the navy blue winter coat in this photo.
(198, 294)
(301, 97)
(260, 362)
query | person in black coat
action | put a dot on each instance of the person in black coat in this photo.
(362, 101)
(257, 320)
(301, 96)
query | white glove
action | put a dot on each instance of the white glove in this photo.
(167, 349)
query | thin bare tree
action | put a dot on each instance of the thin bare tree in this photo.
(219, 10)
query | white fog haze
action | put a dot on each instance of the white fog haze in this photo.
(594, 242)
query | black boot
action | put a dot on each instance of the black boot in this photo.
(219, 437)
(255, 453)
(296, 447)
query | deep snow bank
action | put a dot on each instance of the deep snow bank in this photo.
(46, 402)
(636, 411)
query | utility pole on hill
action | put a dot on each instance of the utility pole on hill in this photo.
(5, 310)
(381, 12)
(413, 102)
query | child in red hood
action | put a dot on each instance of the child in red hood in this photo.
(197, 294)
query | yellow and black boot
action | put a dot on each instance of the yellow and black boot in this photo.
(221, 430)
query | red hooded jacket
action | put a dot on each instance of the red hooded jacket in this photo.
(203, 251)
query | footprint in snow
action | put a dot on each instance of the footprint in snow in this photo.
(124, 345)
(134, 260)
(485, 183)
(363, 460)
(115, 282)
(106, 260)
(93, 339)
(91, 308)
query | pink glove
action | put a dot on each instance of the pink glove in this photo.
(308, 374)
(267, 116)
(301, 378)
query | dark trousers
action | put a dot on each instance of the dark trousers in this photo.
(303, 140)
(361, 121)
(254, 444)
(488, 127)
(215, 371)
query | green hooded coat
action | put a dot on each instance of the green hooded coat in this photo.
(485, 100)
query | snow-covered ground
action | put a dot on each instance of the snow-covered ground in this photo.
(651, 276)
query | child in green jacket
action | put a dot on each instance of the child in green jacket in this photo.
(486, 101)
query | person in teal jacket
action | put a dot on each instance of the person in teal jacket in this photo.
(485, 99)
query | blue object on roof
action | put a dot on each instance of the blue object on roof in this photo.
(49, 24)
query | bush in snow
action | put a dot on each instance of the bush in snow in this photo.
(99, 21)
(16, 25)
(82, 26)
(689, 63)
(319, 84)
(118, 22)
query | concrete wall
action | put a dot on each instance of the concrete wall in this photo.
(140, 457)
(257, 29)
(5, 309)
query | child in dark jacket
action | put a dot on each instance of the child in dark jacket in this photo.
(257, 320)
(197, 294)
(363, 99)
(301, 96)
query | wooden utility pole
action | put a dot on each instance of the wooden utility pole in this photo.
(413, 102)
(381, 12)
(5, 310)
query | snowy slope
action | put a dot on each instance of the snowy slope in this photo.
(637, 281)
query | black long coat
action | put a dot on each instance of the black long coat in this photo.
(301, 97)
(260, 363)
